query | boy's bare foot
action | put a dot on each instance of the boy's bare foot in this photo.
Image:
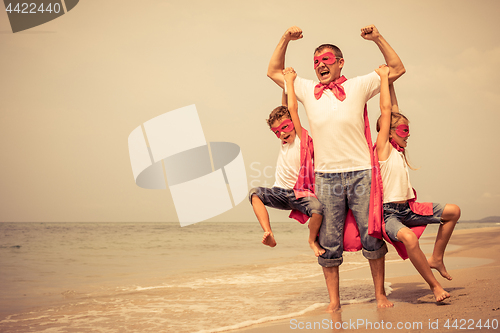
(440, 294)
(383, 302)
(268, 239)
(439, 266)
(318, 250)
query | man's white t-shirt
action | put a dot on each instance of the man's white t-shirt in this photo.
(338, 128)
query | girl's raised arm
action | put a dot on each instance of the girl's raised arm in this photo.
(383, 145)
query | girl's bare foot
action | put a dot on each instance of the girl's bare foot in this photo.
(268, 239)
(439, 266)
(440, 294)
(318, 250)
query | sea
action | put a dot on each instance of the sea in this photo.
(161, 277)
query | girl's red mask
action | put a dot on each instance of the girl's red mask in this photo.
(403, 130)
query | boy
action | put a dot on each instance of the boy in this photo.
(294, 185)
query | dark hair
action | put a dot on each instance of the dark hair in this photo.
(395, 118)
(278, 113)
(334, 48)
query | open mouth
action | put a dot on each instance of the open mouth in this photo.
(286, 137)
(324, 72)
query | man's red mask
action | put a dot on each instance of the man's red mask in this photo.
(326, 58)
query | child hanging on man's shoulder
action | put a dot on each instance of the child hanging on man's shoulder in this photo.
(401, 212)
(295, 181)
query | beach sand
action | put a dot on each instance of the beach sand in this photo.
(471, 259)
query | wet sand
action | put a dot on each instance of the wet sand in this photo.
(474, 305)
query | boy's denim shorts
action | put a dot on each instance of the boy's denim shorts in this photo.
(339, 192)
(280, 198)
(399, 215)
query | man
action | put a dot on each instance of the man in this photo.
(335, 109)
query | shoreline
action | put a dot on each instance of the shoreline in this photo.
(471, 259)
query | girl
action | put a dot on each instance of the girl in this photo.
(400, 213)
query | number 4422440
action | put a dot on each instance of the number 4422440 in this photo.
(32, 8)
(463, 324)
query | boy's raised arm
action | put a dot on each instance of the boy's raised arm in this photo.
(391, 58)
(277, 62)
(290, 75)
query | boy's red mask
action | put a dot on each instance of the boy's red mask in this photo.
(326, 58)
(285, 126)
(403, 130)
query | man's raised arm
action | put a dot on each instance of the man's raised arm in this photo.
(392, 60)
(277, 63)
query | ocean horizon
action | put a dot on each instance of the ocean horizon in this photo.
(154, 276)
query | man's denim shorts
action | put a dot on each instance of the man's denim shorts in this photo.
(280, 198)
(339, 192)
(399, 215)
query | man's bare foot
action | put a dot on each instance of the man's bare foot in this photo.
(268, 239)
(333, 307)
(440, 294)
(383, 302)
(318, 250)
(439, 266)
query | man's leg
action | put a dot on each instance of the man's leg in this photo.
(374, 249)
(377, 267)
(332, 284)
(331, 194)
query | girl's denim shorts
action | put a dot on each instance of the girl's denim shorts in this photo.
(399, 215)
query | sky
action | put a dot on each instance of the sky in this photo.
(73, 89)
